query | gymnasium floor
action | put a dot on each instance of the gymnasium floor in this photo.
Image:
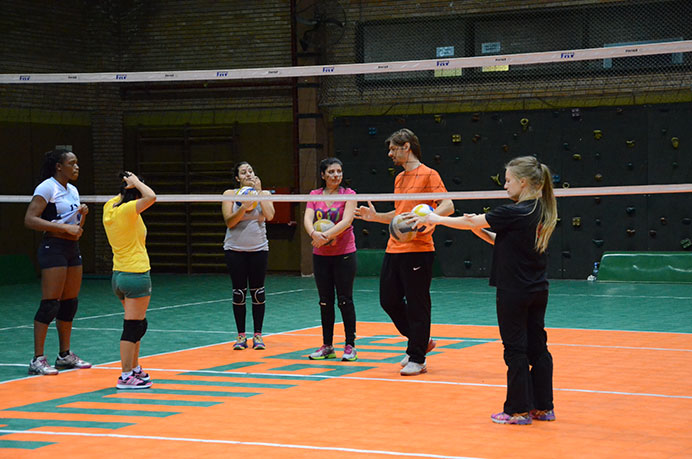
(623, 377)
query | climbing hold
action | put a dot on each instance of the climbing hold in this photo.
(565, 146)
(456, 138)
(566, 254)
(576, 114)
(467, 264)
(630, 143)
(597, 242)
(598, 177)
(652, 233)
(365, 232)
(597, 134)
(597, 199)
(675, 165)
(456, 180)
(663, 220)
(384, 232)
(630, 166)
(486, 210)
(556, 179)
(565, 185)
(475, 117)
(576, 222)
(391, 171)
(675, 142)
(576, 157)
(524, 123)
(496, 179)
(686, 221)
(355, 151)
(448, 242)
(372, 131)
(685, 243)
(597, 155)
(598, 222)
(438, 118)
(630, 210)
(631, 232)
(438, 159)
(476, 138)
(619, 111)
(505, 148)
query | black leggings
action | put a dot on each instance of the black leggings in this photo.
(247, 268)
(336, 271)
(405, 296)
(521, 317)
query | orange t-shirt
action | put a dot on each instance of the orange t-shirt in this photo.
(420, 180)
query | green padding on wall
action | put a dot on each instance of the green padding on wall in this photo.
(370, 263)
(16, 269)
(668, 267)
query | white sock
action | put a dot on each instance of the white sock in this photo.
(126, 374)
(137, 369)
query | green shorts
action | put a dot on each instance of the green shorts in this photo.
(131, 285)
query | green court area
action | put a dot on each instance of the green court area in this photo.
(191, 311)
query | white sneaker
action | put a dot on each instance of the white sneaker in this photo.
(413, 369)
(431, 345)
(71, 360)
(40, 366)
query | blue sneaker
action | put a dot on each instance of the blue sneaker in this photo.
(521, 419)
(240, 343)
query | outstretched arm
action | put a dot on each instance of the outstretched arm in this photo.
(369, 214)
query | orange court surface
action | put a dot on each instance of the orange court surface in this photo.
(617, 394)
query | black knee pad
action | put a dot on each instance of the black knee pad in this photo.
(143, 328)
(344, 301)
(258, 296)
(239, 296)
(47, 311)
(68, 308)
(133, 330)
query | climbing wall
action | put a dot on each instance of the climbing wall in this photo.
(592, 147)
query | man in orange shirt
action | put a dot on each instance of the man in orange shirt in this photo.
(407, 266)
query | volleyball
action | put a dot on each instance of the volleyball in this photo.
(323, 225)
(422, 210)
(249, 191)
(400, 230)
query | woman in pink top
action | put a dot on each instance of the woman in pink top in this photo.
(333, 258)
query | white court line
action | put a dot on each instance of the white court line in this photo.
(569, 295)
(398, 380)
(233, 442)
(161, 308)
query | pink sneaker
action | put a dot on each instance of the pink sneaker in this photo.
(132, 382)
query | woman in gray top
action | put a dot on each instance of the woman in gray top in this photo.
(246, 249)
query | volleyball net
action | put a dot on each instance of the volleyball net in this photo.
(599, 93)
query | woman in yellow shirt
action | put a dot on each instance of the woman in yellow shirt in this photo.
(131, 281)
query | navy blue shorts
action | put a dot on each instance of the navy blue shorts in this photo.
(53, 252)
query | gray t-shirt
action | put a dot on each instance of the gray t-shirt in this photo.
(249, 235)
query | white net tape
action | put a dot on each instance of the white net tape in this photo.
(458, 195)
(353, 69)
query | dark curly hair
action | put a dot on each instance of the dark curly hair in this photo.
(50, 160)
